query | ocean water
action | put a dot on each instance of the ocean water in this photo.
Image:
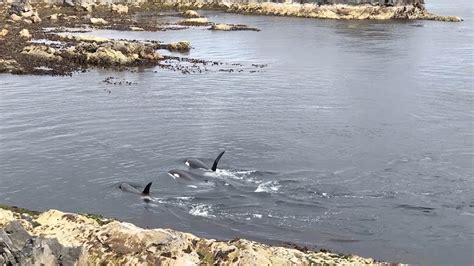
(354, 136)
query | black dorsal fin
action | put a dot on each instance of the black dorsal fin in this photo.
(214, 166)
(146, 191)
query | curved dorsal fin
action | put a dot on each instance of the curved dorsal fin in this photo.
(214, 166)
(146, 191)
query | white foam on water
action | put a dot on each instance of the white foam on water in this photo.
(184, 198)
(201, 210)
(269, 187)
(233, 174)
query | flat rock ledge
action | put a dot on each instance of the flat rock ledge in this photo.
(57, 238)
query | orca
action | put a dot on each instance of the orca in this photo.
(126, 187)
(181, 174)
(198, 164)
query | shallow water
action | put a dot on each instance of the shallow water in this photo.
(357, 136)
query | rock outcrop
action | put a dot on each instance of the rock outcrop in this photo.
(54, 237)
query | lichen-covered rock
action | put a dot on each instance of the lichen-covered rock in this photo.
(108, 56)
(66, 238)
(42, 52)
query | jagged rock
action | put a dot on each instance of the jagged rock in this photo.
(67, 239)
(19, 7)
(19, 247)
(28, 21)
(24, 33)
(121, 9)
(190, 14)
(194, 22)
(98, 21)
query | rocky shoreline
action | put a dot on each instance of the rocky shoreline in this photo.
(57, 238)
(38, 39)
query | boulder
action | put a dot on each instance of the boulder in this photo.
(19, 7)
(190, 14)
(35, 19)
(3, 33)
(98, 21)
(15, 17)
(194, 22)
(108, 56)
(53, 17)
(121, 9)
(24, 33)
(181, 46)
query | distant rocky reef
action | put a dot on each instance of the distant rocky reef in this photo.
(58, 238)
(325, 9)
(30, 44)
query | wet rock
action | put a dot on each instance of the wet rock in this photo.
(120, 9)
(24, 33)
(231, 27)
(223, 27)
(194, 22)
(98, 21)
(190, 14)
(182, 46)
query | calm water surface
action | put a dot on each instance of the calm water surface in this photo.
(357, 137)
